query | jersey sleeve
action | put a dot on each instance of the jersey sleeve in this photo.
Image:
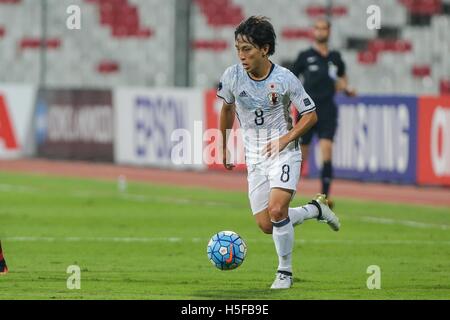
(340, 66)
(224, 89)
(301, 100)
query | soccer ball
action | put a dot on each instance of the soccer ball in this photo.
(226, 250)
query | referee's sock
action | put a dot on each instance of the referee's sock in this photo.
(327, 176)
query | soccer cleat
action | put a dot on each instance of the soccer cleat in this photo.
(325, 213)
(282, 281)
(3, 267)
(330, 203)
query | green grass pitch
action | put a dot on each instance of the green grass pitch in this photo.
(150, 243)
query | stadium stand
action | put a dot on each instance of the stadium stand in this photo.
(131, 42)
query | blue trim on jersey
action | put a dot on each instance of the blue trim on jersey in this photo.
(224, 99)
(270, 72)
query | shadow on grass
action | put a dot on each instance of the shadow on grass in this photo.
(260, 293)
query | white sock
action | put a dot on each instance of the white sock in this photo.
(300, 214)
(283, 237)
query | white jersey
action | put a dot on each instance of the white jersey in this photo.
(263, 106)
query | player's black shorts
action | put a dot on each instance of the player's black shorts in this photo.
(326, 124)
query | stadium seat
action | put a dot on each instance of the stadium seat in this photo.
(107, 66)
(134, 34)
(421, 71)
(36, 43)
(445, 86)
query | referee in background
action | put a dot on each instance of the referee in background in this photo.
(323, 73)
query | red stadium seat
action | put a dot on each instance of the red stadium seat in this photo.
(213, 45)
(35, 43)
(317, 11)
(297, 33)
(2, 32)
(445, 86)
(367, 57)
(423, 7)
(393, 45)
(122, 18)
(220, 13)
(421, 71)
(108, 66)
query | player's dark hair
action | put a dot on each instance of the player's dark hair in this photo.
(258, 31)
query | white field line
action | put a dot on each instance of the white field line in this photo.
(186, 201)
(407, 223)
(200, 240)
(16, 188)
(148, 198)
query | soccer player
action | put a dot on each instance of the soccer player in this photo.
(260, 92)
(323, 72)
(3, 267)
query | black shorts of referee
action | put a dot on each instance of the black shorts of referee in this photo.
(326, 125)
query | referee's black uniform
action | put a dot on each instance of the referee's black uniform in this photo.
(320, 74)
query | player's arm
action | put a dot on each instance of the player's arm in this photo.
(227, 115)
(303, 125)
(342, 80)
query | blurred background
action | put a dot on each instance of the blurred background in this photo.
(110, 80)
(169, 43)
(87, 114)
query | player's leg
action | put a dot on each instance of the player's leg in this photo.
(326, 130)
(259, 202)
(326, 149)
(318, 208)
(3, 267)
(258, 194)
(263, 221)
(284, 173)
(283, 235)
(297, 215)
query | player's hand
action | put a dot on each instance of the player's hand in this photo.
(226, 156)
(274, 147)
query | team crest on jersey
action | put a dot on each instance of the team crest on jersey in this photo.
(274, 98)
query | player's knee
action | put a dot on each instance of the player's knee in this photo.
(265, 227)
(275, 212)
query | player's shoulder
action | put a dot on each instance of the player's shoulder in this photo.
(284, 72)
(232, 72)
